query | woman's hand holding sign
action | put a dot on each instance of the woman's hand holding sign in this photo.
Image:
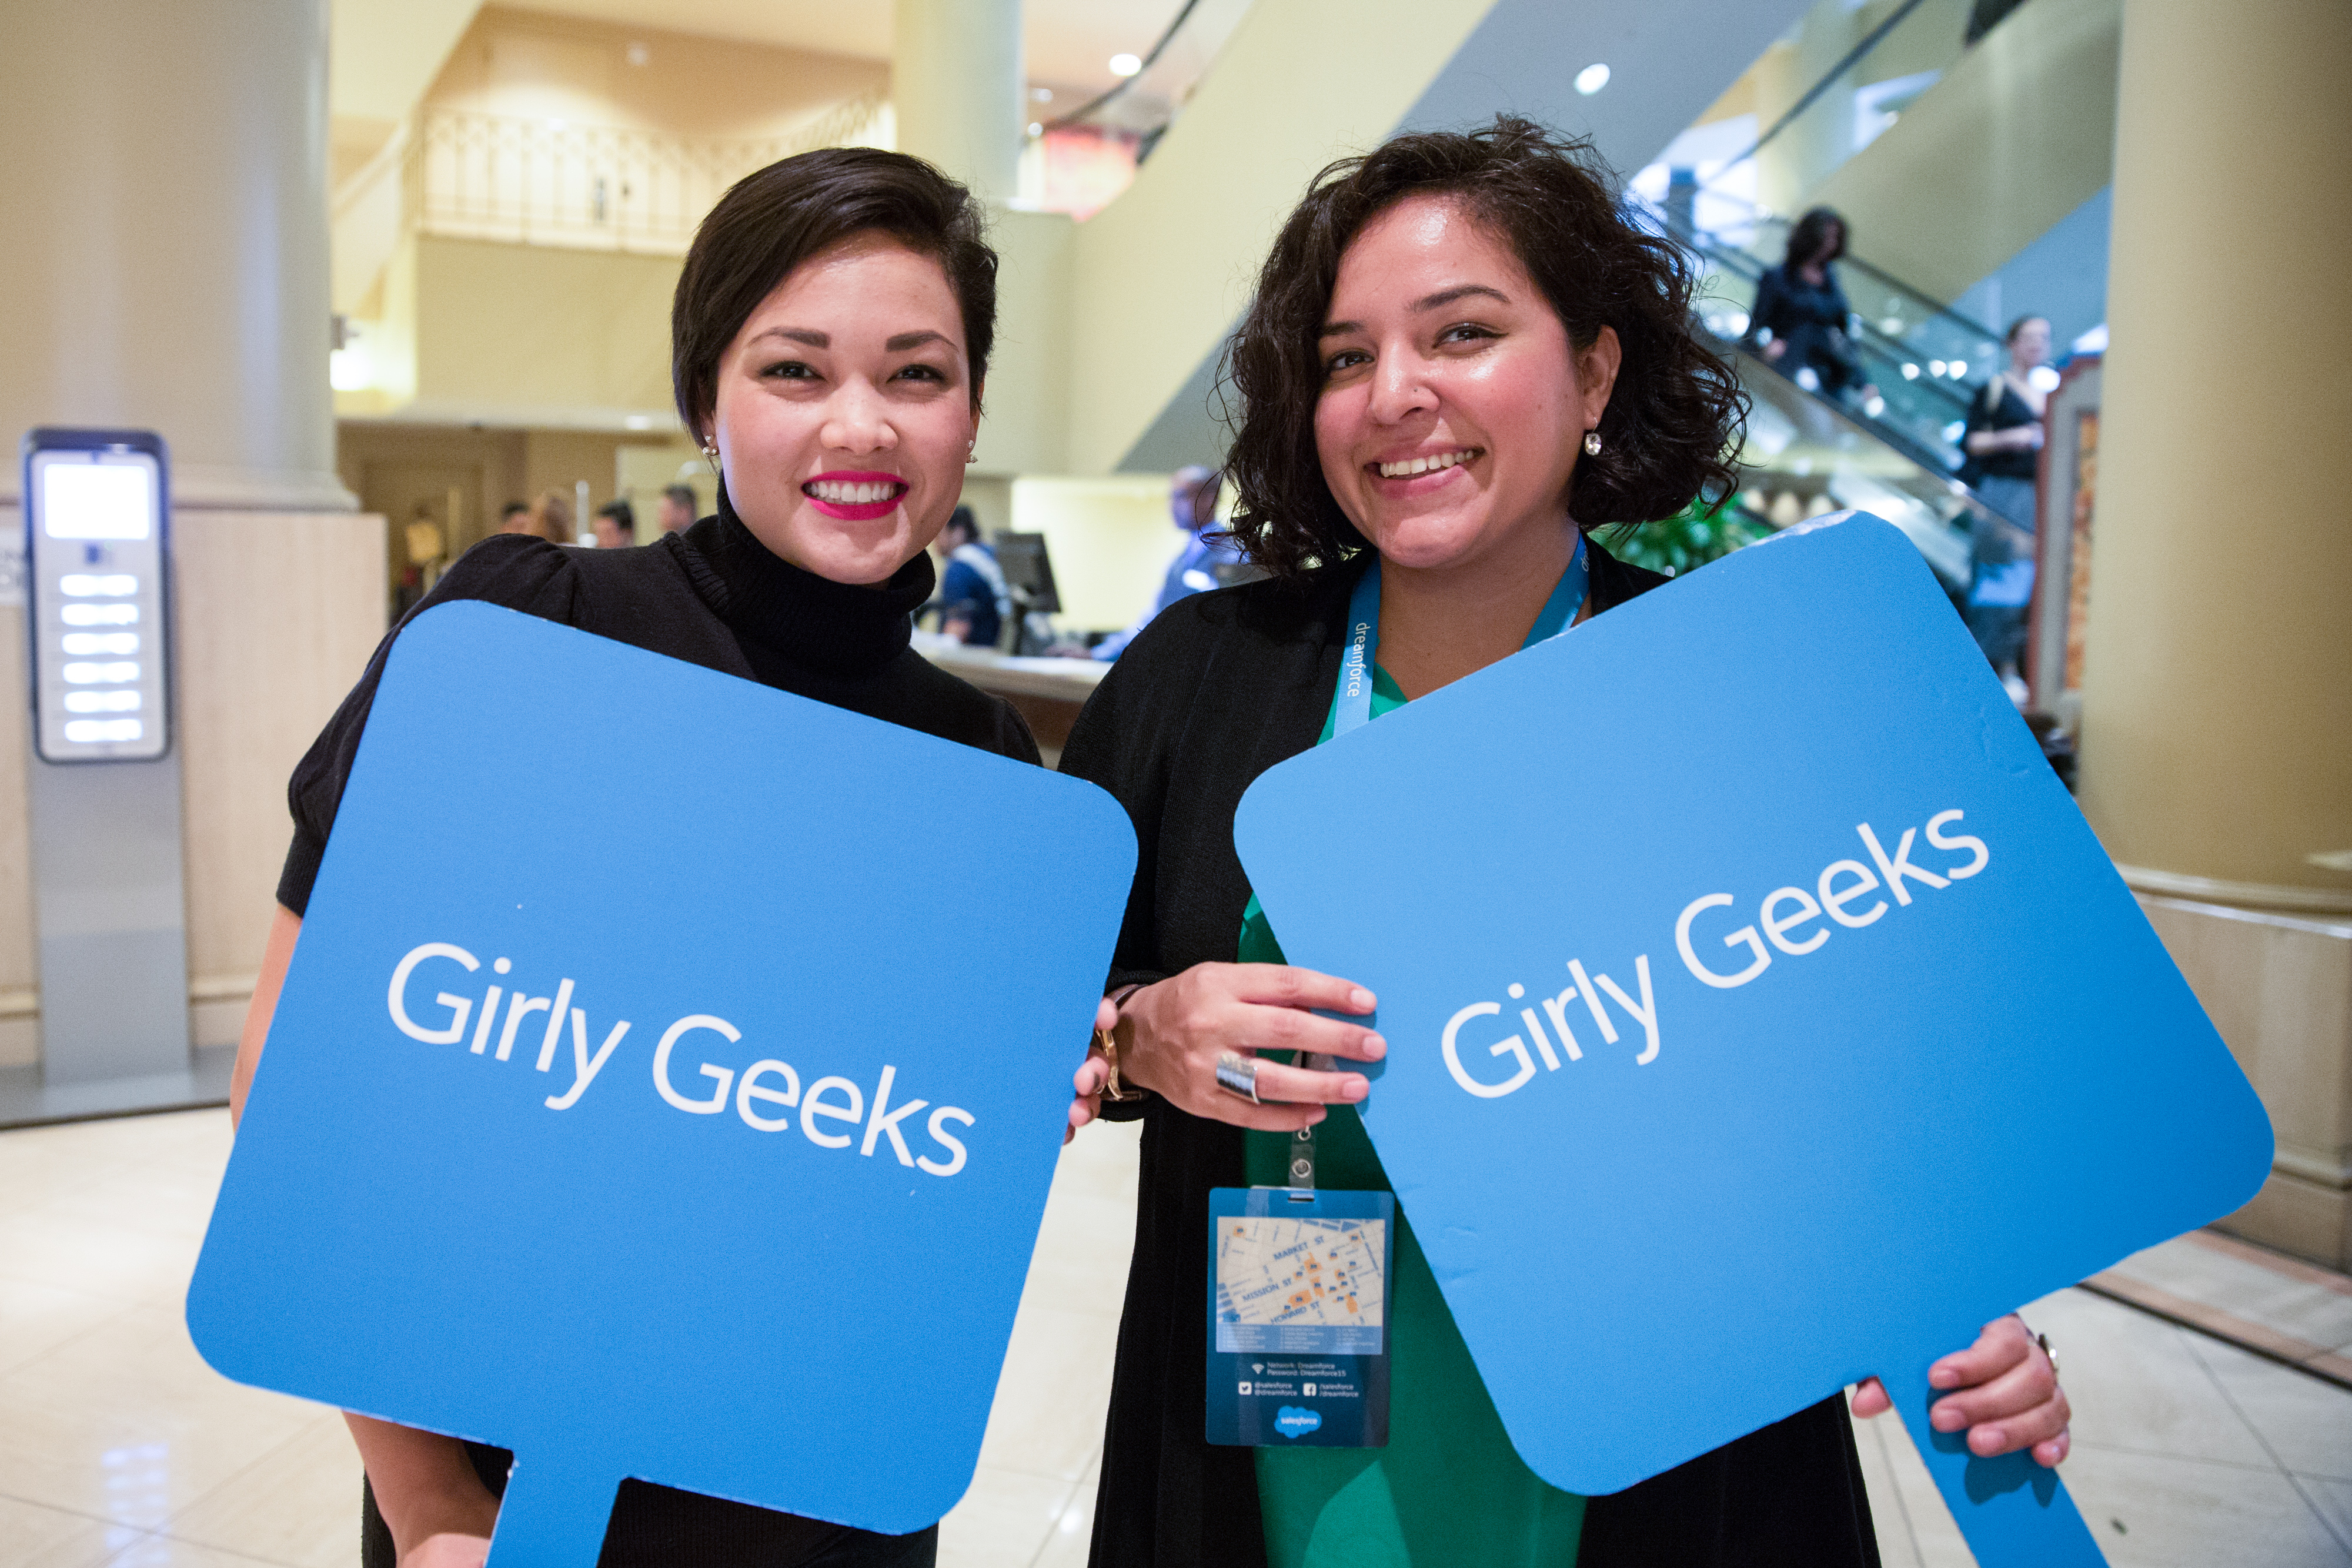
(1173, 1035)
(2003, 1389)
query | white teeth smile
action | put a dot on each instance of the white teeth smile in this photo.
(1411, 465)
(842, 495)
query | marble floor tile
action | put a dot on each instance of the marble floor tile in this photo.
(2331, 1501)
(124, 1261)
(2305, 1423)
(1068, 1544)
(2153, 1512)
(298, 1504)
(1050, 1404)
(2306, 1311)
(127, 1424)
(32, 1536)
(36, 1319)
(1004, 1520)
(162, 1552)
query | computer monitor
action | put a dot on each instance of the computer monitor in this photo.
(1029, 571)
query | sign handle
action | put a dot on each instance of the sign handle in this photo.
(553, 1514)
(2014, 1513)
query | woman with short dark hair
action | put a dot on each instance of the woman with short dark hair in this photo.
(1463, 358)
(831, 335)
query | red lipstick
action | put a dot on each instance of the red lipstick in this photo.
(852, 495)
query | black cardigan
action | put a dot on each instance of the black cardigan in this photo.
(1219, 688)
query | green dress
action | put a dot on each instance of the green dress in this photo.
(1449, 1489)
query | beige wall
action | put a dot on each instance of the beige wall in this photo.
(1163, 272)
(1025, 427)
(2018, 133)
(531, 64)
(1110, 539)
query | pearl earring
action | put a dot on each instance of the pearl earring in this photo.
(1592, 444)
(971, 452)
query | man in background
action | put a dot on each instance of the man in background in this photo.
(1193, 492)
(616, 526)
(514, 518)
(974, 599)
(675, 512)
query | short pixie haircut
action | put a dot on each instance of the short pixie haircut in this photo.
(1673, 422)
(771, 222)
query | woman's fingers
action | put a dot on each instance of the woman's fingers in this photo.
(2005, 1392)
(1287, 986)
(2003, 1344)
(1296, 1085)
(1870, 1398)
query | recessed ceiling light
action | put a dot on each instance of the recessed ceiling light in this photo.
(1125, 64)
(639, 54)
(1041, 94)
(1036, 128)
(1592, 79)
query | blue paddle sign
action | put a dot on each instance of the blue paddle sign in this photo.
(1762, 1015)
(641, 1100)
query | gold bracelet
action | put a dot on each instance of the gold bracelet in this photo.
(1107, 1041)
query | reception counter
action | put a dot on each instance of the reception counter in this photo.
(1048, 693)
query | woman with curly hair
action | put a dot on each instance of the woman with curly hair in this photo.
(1462, 359)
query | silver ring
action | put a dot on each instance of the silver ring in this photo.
(1237, 1074)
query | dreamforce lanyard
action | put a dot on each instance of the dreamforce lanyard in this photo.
(1354, 704)
(1353, 708)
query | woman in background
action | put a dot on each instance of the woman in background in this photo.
(2003, 443)
(1801, 315)
(1461, 358)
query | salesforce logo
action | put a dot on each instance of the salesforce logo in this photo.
(1292, 1421)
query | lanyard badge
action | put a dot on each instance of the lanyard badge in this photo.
(1299, 1278)
(1298, 1307)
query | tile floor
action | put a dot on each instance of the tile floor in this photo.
(119, 1448)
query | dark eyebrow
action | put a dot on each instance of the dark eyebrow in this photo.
(1437, 302)
(809, 336)
(906, 341)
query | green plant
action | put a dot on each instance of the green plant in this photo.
(1698, 534)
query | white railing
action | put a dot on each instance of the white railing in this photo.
(592, 187)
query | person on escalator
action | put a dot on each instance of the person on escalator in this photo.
(1800, 322)
(2003, 443)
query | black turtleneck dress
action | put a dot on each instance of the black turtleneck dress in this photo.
(713, 596)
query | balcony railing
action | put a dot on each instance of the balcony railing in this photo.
(589, 187)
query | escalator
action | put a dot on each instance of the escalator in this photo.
(1891, 449)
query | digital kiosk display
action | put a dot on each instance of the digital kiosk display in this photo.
(95, 596)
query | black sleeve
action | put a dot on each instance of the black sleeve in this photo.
(515, 570)
(1013, 739)
(1769, 309)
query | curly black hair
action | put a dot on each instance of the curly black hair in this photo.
(770, 221)
(1674, 421)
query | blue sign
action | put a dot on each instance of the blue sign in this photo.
(644, 1096)
(1762, 1015)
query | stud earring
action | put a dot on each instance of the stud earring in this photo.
(710, 452)
(971, 452)
(1592, 444)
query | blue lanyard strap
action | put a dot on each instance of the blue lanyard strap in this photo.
(1355, 699)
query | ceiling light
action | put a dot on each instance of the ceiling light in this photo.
(1125, 64)
(1592, 79)
(2042, 379)
(1041, 94)
(1036, 128)
(639, 55)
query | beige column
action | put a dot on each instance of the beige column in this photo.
(167, 268)
(2216, 703)
(956, 85)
